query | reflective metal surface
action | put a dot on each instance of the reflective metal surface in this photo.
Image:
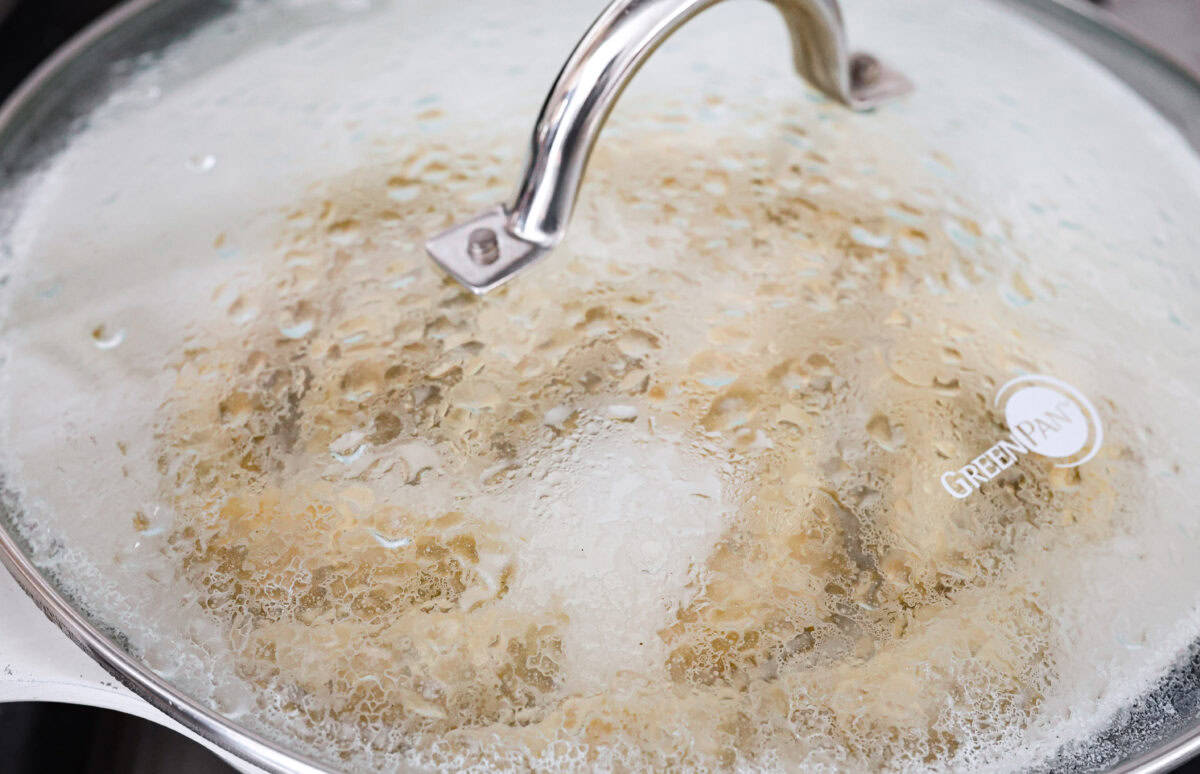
(584, 93)
(253, 753)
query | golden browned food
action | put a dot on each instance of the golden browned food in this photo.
(670, 501)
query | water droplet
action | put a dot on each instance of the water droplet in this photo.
(403, 191)
(637, 344)
(945, 386)
(868, 238)
(242, 311)
(387, 542)
(911, 246)
(1020, 294)
(202, 162)
(349, 447)
(104, 338)
(962, 234)
(907, 218)
(417, 458)
(1067, 479)
(623, 413)
(298, 322)
(345, 232)
(404, 280)
(361, 381)
(880, 430)
(557, 415)
(139, 96)
(730, 411)
(297, 331)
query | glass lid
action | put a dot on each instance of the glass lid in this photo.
(823, 439)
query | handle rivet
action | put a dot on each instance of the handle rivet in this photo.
(483, 246)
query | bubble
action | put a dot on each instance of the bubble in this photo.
(622, 412)
(107, 338)
(1019, 293)
(140, 95)
(403, 189)
(868, 238)
(386, 542)
(556, 416)
(349, 447)
(417, 458)
(202, 163)
(730, 410)
(361, 381)
(637, 344)
(344, 232)
(965, 234)
(297, 330)
(882, 432)
(911, 246)
(298, 322)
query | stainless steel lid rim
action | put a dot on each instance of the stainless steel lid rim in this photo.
(16, 110)
(1104, 24)
(1175, 744)
(157, 692)
(1097, 34)
(100, 646)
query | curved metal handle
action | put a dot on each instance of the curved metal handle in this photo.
(489, 249)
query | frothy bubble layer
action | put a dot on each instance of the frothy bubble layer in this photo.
(674, 498)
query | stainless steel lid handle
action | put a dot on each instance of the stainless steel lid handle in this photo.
(489, 249)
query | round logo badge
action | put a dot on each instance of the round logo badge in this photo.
(1051, 418)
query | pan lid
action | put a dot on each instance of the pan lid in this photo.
(823, 438)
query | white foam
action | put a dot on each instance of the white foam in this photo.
(614, 524)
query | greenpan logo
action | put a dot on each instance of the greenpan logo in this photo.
(1045, 416)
